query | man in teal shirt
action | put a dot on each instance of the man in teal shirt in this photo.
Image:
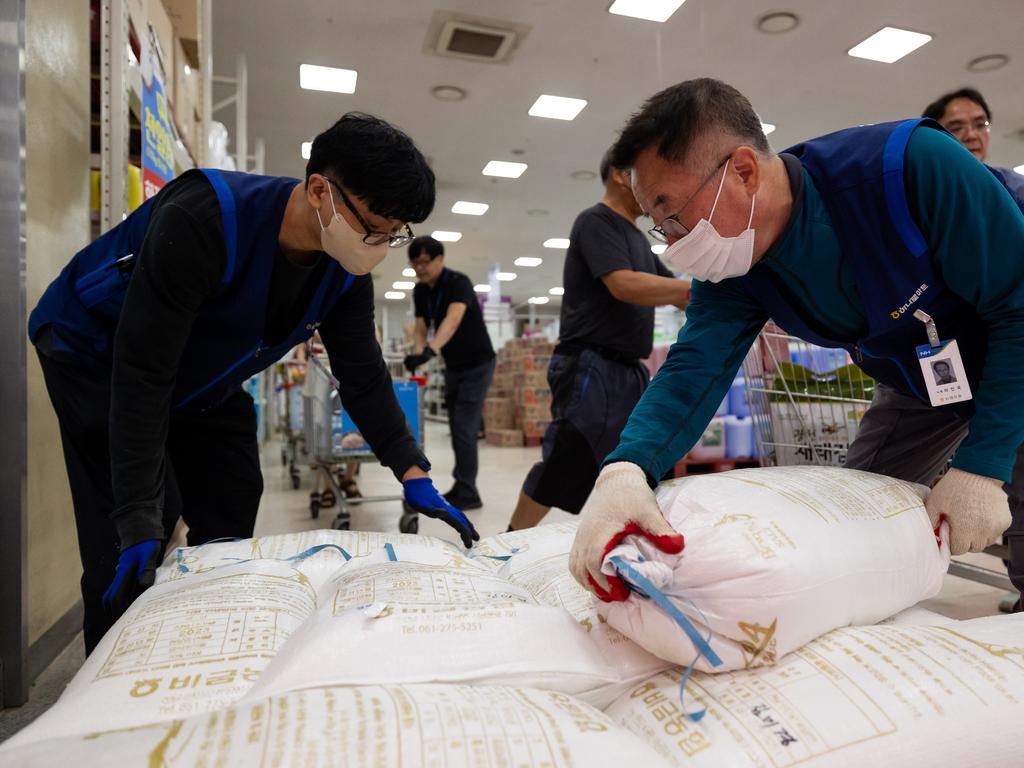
(812, 239)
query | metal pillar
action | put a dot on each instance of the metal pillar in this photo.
(113, 113)
(206, 81)
(14, 676)
(241, 114)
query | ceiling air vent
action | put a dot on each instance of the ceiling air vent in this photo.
(476, 42)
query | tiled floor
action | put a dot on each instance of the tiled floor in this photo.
(501, 474)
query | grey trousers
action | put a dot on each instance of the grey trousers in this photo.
(464, 394)
(902, 437)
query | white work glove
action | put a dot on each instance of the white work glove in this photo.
(621, 504)
(975, 507)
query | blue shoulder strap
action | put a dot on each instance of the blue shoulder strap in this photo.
(895, 190)
(229, 218)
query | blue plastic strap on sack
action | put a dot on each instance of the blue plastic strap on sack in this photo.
(319, 548)
(503, 558)
(182, 568)
(391, 553)
(643, 587)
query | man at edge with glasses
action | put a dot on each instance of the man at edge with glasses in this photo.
(147, 335)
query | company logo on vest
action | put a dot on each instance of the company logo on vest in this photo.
(896, 314)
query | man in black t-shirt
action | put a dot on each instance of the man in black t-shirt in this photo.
(446, 303)
(613, 282)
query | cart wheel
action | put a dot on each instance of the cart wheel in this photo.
(409, 523)
(284, 457)
(342, 522)
(295, 481)
(314, 509)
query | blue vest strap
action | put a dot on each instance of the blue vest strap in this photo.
(229, 219)
(895, 191)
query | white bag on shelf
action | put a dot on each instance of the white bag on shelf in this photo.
(776, 557)
(900, 696)
(433, 726)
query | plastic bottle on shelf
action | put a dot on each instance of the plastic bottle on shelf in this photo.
(739, 437)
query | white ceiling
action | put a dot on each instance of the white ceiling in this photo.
(802, 81)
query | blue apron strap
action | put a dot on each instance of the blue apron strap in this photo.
(643, 587)
(895, 193)
(228, 217)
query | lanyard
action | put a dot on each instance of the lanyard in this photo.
(435, 306)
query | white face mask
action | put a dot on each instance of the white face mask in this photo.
(706, 255)
(345, 245)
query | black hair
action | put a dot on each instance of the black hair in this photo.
(676, 117)
(607, 165)
(937, 108)
(426, 243)
(377, 162)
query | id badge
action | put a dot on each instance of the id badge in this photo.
(944, 373)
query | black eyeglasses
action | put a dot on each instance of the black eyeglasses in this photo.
(372, 237)
(670, 225)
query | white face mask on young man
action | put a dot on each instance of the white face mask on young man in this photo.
(706, 255)
(343, 243)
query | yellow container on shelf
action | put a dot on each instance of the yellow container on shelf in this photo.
(94, 190)
(134, 187)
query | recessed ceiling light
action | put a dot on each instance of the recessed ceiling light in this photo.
(583, 175)
(445, 236)
(557, 242)
(504, 169)
(470, 209)
(448, 92)
(482, 288)
(506, 277)
(538, 299)
(557, 291)
(778, 23)
(408, 272)
(394, 295)
(537, 212)
(307, 149)
(403, 285)
(651, 10)
(767, 128)
(557, 107)
(1019, 169)
(659, 248)
(333, 79)
(988, 63)
(889, 44)
(528, 261)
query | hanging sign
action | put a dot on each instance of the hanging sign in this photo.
(157, 138)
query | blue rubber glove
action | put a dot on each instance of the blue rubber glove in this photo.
(422, 496)
(136, 571)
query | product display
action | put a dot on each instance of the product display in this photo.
(908, 696)
(776, 557)
(520, 380)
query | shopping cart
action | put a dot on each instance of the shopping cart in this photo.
(807, 403)
(289, 379)
(326, 427)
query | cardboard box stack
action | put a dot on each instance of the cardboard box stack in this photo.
(519, 402)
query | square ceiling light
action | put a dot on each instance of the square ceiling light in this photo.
(470, 209)
(504, 170)
(403, 285)
(557, 291)
(538, 299)
(889, 44)
(482, 288)
(445, 236)
(408, 272)
(307, 149)
(557, 242)
(528, 261)
(557, 107)
(394, 295)
(316, 78)
(650, 10)
(507, 277)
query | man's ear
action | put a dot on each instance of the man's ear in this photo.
(746, 162)
(316, 188)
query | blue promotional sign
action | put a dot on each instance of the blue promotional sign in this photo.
(157, 139)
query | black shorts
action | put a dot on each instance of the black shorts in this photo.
(591, 399)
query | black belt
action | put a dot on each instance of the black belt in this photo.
(575, 348)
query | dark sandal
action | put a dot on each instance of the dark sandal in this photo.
(351, 490)
(327, 499)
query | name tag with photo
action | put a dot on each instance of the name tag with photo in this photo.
(944, 373)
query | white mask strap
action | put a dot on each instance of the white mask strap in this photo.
(333, 208)
(720, 185)
(750, 221)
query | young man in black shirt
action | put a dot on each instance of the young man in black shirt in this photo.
(613, 282)
(446, 303)
(147, 335)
